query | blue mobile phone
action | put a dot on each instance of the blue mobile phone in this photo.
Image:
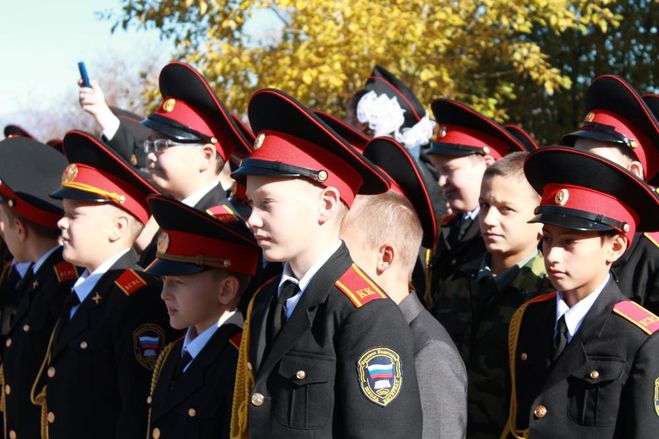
(83, 74)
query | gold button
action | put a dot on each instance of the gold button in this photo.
(7, 389)
(51, 372)
(300, 374)
(249, 365)
(83, 345)
(540, 411)
(257, 399)
(594, 374)
(26, 327)
(51, 417)
(524, 356)
(8, 342)
(192, 413)
(149, 399)
(12, 434)
(156, 433)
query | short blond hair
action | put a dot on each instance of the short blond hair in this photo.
(388, 218)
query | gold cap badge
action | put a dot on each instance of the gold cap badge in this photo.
(70, 173)
(442, 132)
(562, 197)
(163, 243)
(169, 105)
(590, 116)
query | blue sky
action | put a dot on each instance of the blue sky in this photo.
(42, 41)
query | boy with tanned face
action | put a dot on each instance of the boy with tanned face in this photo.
(620, 127)
(384, 233)
(583, 360)
(325, 352)
(206, 261)
(510, 273)
(29, 172)
(467, 143)
(95, 374)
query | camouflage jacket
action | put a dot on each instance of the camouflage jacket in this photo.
(478, 321)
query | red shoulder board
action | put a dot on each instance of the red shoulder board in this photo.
(638, 315)
(129, 282)
(358, 287)
(543, 297)
(222, 213)
(653, 237)
(65, 271)
(235, 339)
(446, 219)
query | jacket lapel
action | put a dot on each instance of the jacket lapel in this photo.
(575, 357)
(300, 321)
(69, 329)
(193, 378)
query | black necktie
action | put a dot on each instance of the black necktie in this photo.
(560, 339)
(464, 225)
(71, 300)
(183, 361)
(288, 290)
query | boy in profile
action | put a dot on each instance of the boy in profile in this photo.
(583, 360)
(327, 354)
(95, 376)
(206, 261)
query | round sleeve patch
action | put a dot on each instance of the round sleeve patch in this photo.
(380, 376)
(148, 340)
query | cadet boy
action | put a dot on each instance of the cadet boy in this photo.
(620, 126)
(330, 354)
(383, 233)
(95, 375)
(206, 263)
(29, 171)
(583, 360)
(511, 272)
(193, 135)
(467, 143)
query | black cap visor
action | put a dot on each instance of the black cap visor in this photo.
(77, 194)
(271, 169)
(163, 267)
(452, 149)
(174, 130)
(574, 219)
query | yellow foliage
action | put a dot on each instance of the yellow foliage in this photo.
(324, 50)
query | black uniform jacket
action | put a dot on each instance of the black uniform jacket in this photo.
(42, 296)
(453, 266)
(637, 271)
(605, 384)
(212, 198)
(98, 376)
(197, 403)
(341, 367)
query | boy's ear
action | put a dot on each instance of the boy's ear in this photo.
(386, 257)
(488, 159)
(21, 229)
(617, 247)
(330, 199)
(208, 153)
(229, 289)
(636, 168)
(119, 228)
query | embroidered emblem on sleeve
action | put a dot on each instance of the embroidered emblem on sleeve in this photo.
(380, 376)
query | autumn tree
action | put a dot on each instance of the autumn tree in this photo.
(474, 51)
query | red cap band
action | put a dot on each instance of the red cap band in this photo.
(290, 150)
(202, 250)
(88, 179)
(22, 208)
(591, 201)
(459, 135)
